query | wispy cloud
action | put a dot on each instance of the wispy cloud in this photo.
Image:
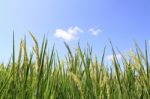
(72, 33)
(69, 34)
(95, 31)
(110, 57)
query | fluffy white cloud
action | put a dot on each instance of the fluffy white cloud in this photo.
(110, 57)
(68, 35)
(94, 31)
(72, 33)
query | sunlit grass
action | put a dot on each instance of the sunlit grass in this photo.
(78, 76)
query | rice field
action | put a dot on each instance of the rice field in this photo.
(41, 74)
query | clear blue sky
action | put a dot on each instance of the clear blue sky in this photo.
(121, 21)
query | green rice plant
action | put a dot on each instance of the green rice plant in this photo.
(41, 74)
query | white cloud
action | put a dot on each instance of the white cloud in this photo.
(74, 30)
(68, 35)
(110, 57)
(94, 31)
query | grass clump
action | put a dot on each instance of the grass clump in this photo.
(78, 76)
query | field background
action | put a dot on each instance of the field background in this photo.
(42, 74)
(74, 49)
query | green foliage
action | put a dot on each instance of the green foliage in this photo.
(42, 75)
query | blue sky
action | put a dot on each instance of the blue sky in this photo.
(92, 21)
